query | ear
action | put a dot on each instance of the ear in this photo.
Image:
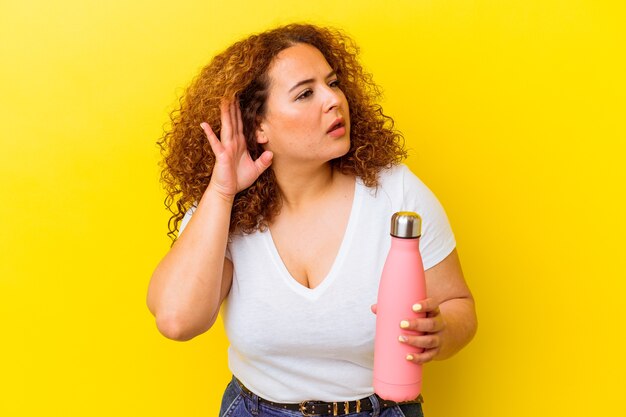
(260, 134)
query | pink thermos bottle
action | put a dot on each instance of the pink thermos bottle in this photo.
(401, 285)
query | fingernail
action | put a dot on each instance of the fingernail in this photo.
(402, 339)
(404, 324)
(417, 307)
(409, 357)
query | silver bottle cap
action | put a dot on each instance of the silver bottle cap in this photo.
(406, 224)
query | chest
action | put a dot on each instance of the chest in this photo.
(308, 245)
(267, 306)
(269, 312)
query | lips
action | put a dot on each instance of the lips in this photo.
(337, 124)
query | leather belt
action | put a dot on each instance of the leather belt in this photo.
(320, 408)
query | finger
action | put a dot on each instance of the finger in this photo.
(423, 325)
(239, 119)
(424, 306)
(428, 341)
(419, 358)
(374, 307)
(434, 313)
(216, 146)
(226, 129)
(233, 117)
(264, 161)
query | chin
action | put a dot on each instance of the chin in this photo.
(344, 149)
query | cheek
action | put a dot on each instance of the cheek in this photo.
(296, 126)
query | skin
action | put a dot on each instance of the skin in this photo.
(305, 99)
(450, 321)
(190, 283)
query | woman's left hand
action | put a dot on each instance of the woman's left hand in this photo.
(432, 326)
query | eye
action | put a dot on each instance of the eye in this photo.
(304, 94)
(334, 83)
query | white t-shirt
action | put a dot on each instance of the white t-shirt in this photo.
(289, 343)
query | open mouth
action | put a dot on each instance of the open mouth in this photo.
(338, 124)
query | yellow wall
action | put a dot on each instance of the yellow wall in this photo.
(515, 113)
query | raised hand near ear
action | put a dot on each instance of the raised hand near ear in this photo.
(234, 168)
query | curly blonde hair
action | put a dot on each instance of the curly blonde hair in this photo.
(241, 71)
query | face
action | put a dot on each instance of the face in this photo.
(307, 117)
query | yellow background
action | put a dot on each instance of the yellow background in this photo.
(514, 111)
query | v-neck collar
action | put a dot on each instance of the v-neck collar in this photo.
(314, 293)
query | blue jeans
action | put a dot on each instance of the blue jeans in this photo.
(236, 403)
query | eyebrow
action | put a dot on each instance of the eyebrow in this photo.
(310, 80)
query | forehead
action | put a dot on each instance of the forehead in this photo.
(296, 63)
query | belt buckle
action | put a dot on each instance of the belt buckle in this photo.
(303, 409)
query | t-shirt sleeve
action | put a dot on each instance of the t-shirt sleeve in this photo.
(186, 219)
(437, 240)
(185, 222)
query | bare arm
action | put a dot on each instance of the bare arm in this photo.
(191, 281)
(450, 321)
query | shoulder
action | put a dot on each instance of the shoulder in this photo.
(392, 173)
(400, 189)
(399, 179)
(397, 172)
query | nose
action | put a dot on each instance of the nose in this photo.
(333, 98)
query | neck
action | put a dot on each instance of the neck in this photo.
(301, 185)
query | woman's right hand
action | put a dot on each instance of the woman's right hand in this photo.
(234, 169)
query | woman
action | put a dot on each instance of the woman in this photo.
(285, 173)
